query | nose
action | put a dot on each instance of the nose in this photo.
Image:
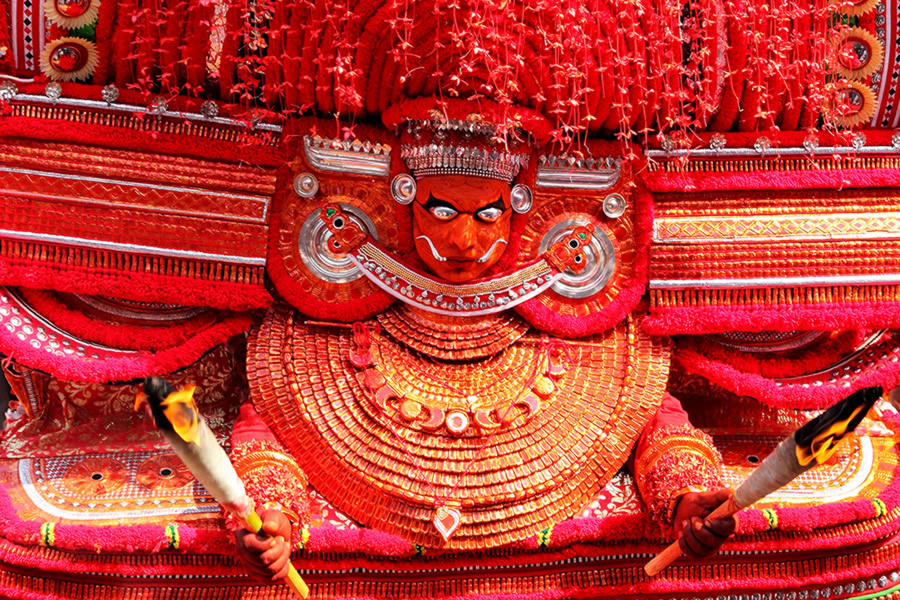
(463, 237)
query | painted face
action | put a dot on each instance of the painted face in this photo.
(461, 224)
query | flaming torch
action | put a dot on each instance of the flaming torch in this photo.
(178, 419)
(814, 443)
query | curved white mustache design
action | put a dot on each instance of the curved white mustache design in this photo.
(439, 258)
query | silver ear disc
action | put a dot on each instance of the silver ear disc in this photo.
(520, 198)
(403, 188)
(614, 206)
(599, 257)
(306, 185)
(317, 245)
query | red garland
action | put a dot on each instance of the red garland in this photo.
(819, 317)
(816, 357)
(128, 336)
(139, 364)
(765, 390)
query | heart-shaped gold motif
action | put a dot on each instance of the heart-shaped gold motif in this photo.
(446, 521)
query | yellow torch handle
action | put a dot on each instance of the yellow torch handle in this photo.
(296, 583)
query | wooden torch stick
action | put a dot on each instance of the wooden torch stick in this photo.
(813, 443)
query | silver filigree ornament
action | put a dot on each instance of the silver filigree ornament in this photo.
(895, 140)
(762, 145)
(811, 142)
(8, 90)
(614, 206)
(403, 188)
(521, 198)
(53, 90)
(717, 142)
(109, 93)
(209, 109)
(159, 106)
(306, 185)
(858, 142)
(666, 143)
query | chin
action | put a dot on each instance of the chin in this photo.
(460, 275)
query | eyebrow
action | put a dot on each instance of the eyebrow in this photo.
(433, 202)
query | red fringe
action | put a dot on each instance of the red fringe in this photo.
(145, 287)
(821, 317)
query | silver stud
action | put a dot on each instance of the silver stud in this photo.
(895, 140)
(306, 185)
(159, 106)
(109, 93)
(614, 206)
(209, 109)
(8, 89)
(717, 142)
(762, 145)
(520, 198)
(53, 90)
(811, 142)
(403, 188)
(858, 141)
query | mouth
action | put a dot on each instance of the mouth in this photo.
(457, 260)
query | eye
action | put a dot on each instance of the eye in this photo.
(444, 213)
(489, 214)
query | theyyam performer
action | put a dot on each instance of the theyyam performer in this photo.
(474, 298)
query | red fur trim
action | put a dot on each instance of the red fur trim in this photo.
(544, 318)
(129, 336)
(820, 317)
(133, 286)
(886, 375)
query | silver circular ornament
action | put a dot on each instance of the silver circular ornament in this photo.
(315, 247)
(403, 188)
(600, 255)
(306, 185)
(520, 198)
(614, 206)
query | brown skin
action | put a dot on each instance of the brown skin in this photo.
(266, 557)
(463, 217)
(700, 536)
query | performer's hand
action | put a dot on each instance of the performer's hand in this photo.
(266, 558)
(701, 536)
